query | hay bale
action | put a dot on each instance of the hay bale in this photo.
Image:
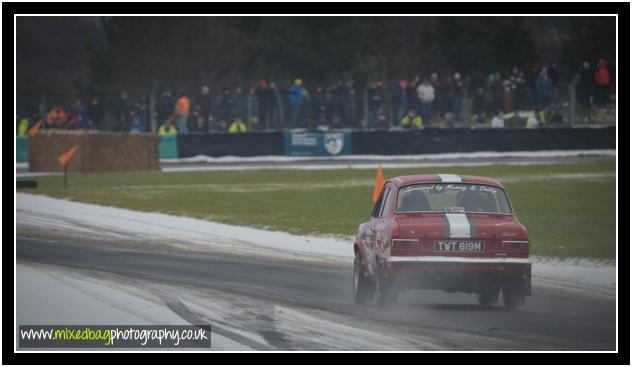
(98, 151)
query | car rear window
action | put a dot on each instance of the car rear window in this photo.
(451, 197)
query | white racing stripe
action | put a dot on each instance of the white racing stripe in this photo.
(459, 225)
(450, 178)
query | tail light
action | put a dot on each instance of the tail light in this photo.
(515, 245)
(405, 243)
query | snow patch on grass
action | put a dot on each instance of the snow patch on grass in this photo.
(184, 232)
(379, 157)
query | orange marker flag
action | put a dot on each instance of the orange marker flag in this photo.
(379, 182)
(65, 157)
(34, 129)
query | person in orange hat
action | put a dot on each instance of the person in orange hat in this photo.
(183, 105)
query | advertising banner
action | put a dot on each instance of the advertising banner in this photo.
(317, 143)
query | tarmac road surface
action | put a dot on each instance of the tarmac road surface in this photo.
(550, 320)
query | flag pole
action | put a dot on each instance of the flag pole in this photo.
(64, 160)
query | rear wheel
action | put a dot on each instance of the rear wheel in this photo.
(488, 297)
(512, 298)
(363, 290)
(385, 289)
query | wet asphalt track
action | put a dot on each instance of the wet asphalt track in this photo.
(550, 320)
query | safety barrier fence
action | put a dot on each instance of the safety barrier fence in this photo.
(344, 142)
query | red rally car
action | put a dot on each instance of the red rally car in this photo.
(449, 232)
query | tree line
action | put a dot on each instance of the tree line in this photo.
(138, 54)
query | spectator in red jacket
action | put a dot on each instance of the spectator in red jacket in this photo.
(56, 118)
(602, 79)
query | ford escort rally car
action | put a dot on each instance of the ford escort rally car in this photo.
(449, 232)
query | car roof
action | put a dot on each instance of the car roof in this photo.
(444, 178)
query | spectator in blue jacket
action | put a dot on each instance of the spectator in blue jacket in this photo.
(297, 100)
(78, 115)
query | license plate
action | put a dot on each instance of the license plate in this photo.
(459, 246)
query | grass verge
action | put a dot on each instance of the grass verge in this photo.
(568, 209)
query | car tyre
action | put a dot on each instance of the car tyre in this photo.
(488, 298)
(363, 289)
(512, 298)
(385, 290)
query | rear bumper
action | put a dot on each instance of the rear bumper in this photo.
(441, 260)
(459, 272)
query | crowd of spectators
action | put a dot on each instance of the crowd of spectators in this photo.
(431, 100)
